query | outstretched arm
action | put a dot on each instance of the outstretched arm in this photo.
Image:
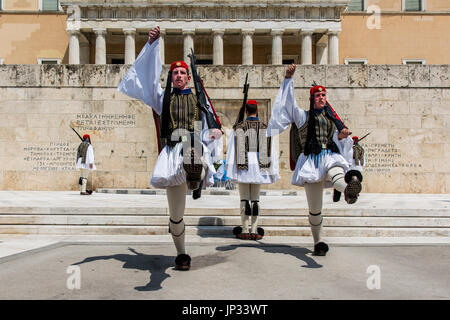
(142, 79)
(285, 109)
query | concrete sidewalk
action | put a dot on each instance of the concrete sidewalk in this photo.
(227, 270)
(37, 266)
(47, 201)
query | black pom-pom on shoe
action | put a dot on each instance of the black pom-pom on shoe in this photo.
(353, 179)
(320, 249)
(260, 231)
(237, 230)
(336, 195)
(183, 262)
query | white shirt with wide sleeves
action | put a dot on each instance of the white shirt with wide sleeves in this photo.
(285, 111)
(142, 82)
(89, 160)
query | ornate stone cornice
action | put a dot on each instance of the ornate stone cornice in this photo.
(194, 10)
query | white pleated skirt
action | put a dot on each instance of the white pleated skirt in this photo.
(169, 169)
(306, 171)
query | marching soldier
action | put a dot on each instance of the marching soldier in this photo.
(188, 132)
(321, 150)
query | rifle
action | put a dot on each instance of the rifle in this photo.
(77, 133)
(364, 136)
(201, 96)
(241, 113)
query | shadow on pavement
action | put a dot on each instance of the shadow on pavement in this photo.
(299, 253)
(156, 264)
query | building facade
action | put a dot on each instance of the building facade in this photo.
(227, 32)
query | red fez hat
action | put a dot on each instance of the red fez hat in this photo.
(317, 89)
(177, 64)
(86, 136)
(252, 102)
(355, 138)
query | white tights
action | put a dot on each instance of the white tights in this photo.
(176, 197)
(314, 195)
(249, 192)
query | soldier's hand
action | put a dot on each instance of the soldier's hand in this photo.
(215, 134)
(344, 133)
(290, 70)
(154, 34)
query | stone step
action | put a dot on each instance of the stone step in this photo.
(224, 231)
(221, 211)
(149, 220)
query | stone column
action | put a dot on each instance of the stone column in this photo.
(100, 46)
(162, 38)
(188, 43)
(277, 46)
(218, 46)
(333, 47)
(130, 45)
(307, 46)
(74, 46)
(321, 53)
(247, 46)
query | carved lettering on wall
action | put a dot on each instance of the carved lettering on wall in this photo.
(385, 157)
(104, 122)
(55, 156)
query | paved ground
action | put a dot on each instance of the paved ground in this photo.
(227, 270)
(279, 268)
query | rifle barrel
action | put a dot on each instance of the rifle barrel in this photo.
(365, 136)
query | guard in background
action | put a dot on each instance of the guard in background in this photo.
(85, 162)
(357, 163)
(251, 161)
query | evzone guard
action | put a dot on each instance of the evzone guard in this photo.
(251, 161)
(357, 162)
(321, 150)
(188, 131)
(85, 162)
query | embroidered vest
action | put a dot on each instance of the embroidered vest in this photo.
(82, 151)
(181, 114)
(324, 131)
(358, 155)
(250, 137)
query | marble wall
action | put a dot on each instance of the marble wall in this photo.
(406, 108)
